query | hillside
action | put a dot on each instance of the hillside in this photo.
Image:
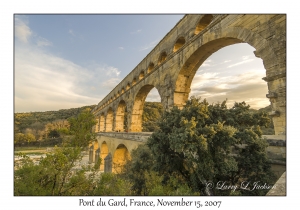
(26, 120)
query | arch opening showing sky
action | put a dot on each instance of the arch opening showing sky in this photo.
(232, 73)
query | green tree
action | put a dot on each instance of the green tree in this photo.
(29, 137)
(19, 138)
(172, 187)
(136, 169)
(110, 184)
(81, 128)
(197, 142)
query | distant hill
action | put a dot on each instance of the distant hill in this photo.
(26, 120)
(151, 113)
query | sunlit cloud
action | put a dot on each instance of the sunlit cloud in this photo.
(248, 87)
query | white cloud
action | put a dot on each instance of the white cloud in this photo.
(43, 42)
(112, 71)
(22, 31)
(121, 48)
(245, 57)
(206, 63)
(240, 63)
(204, 79)
(111, 83)
(71, 32)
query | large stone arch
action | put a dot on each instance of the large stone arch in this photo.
(209, 43)
(103, 153)
(137, 108)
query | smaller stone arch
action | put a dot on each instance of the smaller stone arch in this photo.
(150, 67)
(103, 154)
(133, 81)
(162, 57)
(123, 90)
(102, 123)
(203, 23)
(179, 43)
(142, 75)
(109, 120)
(96, 151)
(120, 114)
(97, 126)
(127, 86)
(121, 156)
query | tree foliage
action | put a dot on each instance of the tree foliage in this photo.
(81, 129)
(203, 143)
(24, 138)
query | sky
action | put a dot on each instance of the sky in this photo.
(69, 61)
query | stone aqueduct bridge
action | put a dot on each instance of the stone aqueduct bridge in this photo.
(171, 66)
